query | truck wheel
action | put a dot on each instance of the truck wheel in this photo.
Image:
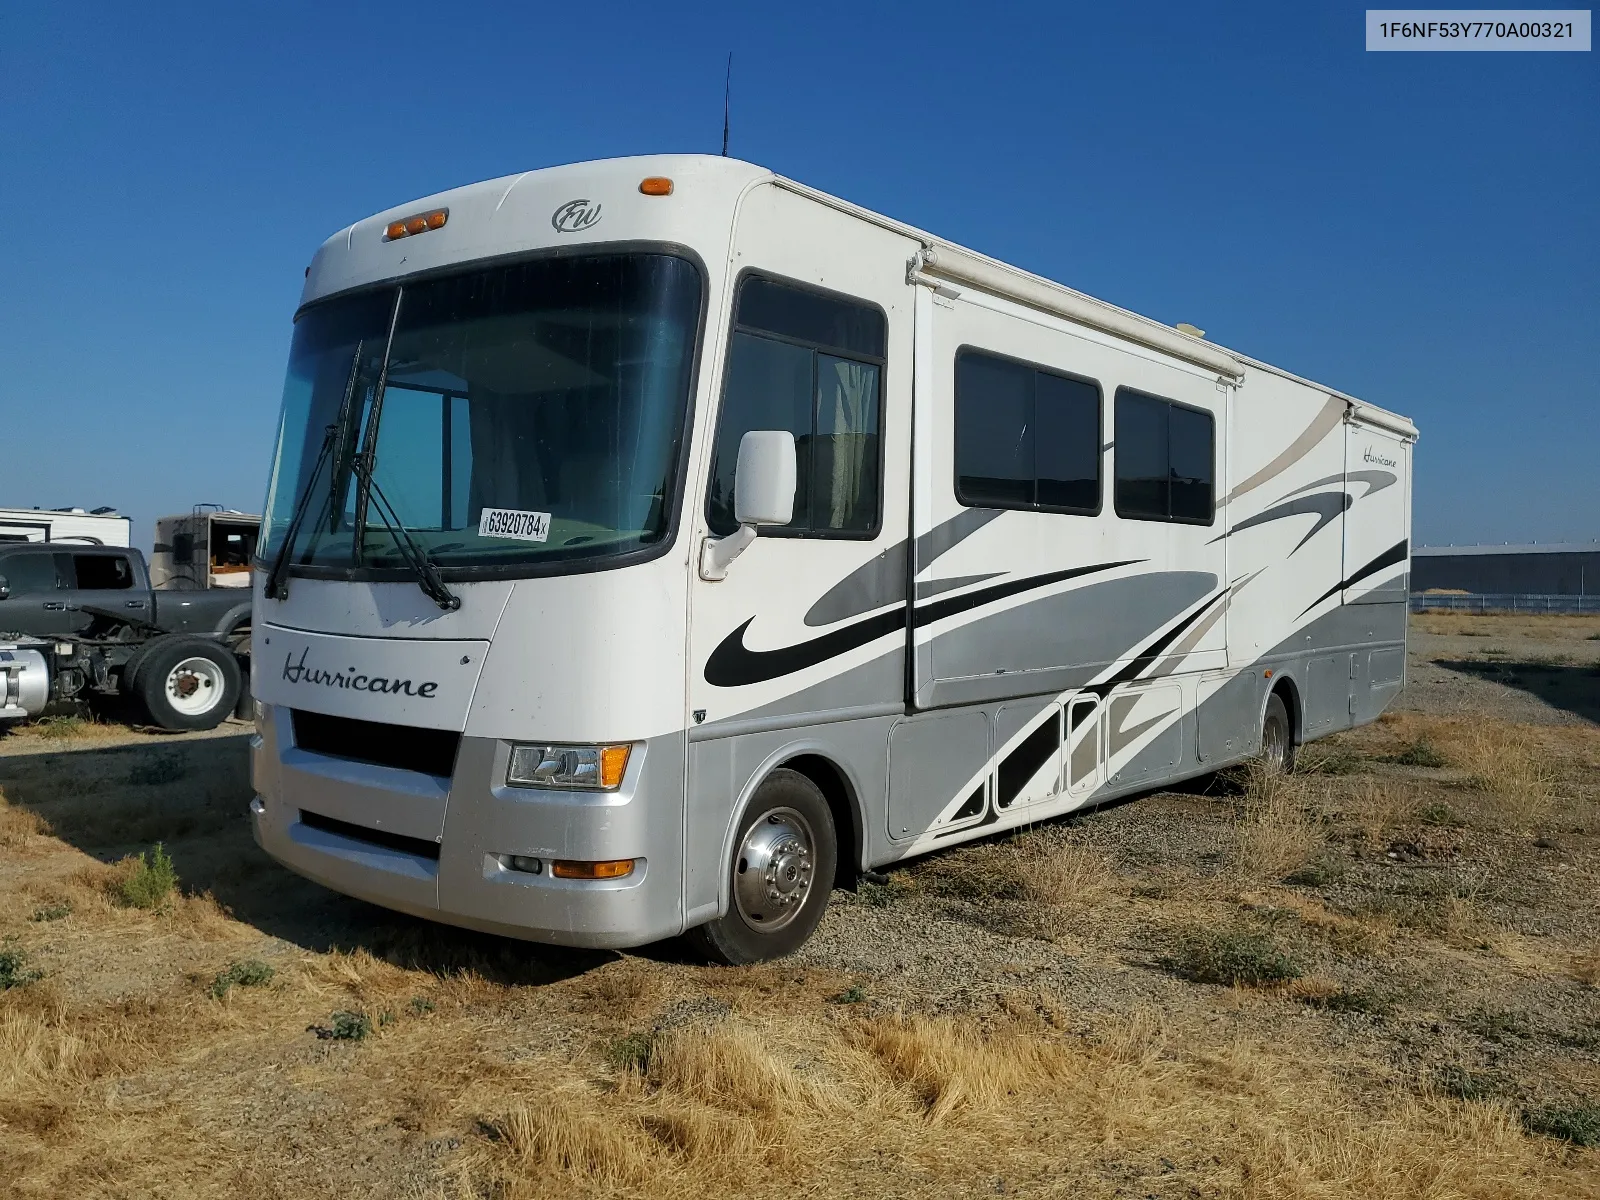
(188, 683)
(784, 855)
(1277, 736)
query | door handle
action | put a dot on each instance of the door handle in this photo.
(54, 606)
(133, 603)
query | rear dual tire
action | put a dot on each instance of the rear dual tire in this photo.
(185, 683)
(785, 853)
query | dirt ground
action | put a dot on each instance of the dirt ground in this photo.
(1379, 976)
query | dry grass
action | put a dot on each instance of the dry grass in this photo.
(941, 1106)
(1516, 766)
(1039, 881)
(1510, 763)
(1551, 627)
(1277, 829)
(20, 827)
(497, 1069)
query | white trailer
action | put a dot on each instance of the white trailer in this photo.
(654, 543)
(101, 527)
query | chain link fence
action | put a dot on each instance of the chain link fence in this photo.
(1506, 602)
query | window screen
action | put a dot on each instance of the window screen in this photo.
(1025, 437)
(102, 572)
(1165, 460)
(810, 363)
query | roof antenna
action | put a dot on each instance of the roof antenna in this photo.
(727, 90)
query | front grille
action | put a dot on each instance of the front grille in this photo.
(377, 837)
(430, 751)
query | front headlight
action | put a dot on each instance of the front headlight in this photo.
(596, 768)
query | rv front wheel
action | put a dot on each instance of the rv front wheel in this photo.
(1277, 736)
(782, 868)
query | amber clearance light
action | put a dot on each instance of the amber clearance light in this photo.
(656, 185)
(617, 868)
(421, 223)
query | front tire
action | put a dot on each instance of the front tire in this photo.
(785, 853)
(1277, 736)
(188, 683)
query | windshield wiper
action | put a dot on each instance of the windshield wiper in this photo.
(411, 553)
(277, 586)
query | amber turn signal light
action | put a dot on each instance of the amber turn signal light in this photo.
(421, 223)
(616, 868)
(656, 185)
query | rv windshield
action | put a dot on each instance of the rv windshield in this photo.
(510, 416)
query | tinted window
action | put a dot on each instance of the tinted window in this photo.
(1165, 460)
(810, 364)
(1025, 437)
(102, 572)
(29, 573)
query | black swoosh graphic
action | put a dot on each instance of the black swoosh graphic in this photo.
(732, 664)
(1153, 651)
(1325, 506)
(1395, 553)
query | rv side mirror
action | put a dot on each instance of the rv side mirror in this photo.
(763, 479)
(5, 588)
(763, 494)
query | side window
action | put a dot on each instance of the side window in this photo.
(102, 572)
(1166, 456)
(1025, 437)
(811, 363)
(29, 574)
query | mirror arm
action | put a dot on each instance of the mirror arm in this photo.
(717, 553)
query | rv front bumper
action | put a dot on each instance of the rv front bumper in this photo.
(440, 848)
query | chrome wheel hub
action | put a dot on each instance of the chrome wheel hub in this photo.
(772, 874)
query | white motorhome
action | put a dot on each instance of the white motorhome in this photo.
(653, 543)
(76, 526)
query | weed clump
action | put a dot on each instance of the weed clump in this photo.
(252, 972)
(1579, 1125)
(632, 1052)
(882, 895)
(13, 969)
(1346, 1001)
(1438, 814)
(1420, 753)
(61, 728)
(346, 1027)
(150, 882)
(1317, 874)
(52, 912)
(1232, 957)
(1456, 1081)
(421, 1005)
(854, 994)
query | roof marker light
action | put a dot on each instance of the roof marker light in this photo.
(656, 185)
(420, 223)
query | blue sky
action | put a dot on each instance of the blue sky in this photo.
(1417, 229)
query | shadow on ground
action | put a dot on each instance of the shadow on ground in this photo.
(1572, 687)
(193, 797)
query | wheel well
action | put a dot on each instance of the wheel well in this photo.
(1290, 695)
(846, 817)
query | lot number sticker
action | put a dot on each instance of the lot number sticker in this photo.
(513, 523)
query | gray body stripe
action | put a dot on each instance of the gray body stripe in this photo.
(882, 581)
(935, 587)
